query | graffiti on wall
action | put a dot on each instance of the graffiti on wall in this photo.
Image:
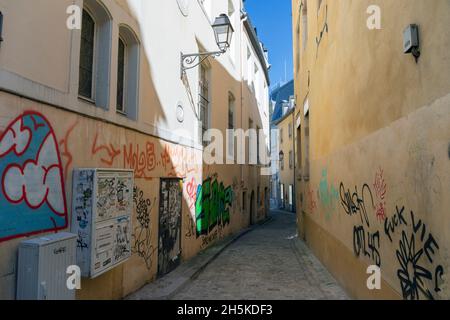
(419, 274)
(356, 202)
(141, 160)
(178, 161)
(32, 194)
(83, 207)
(107, 151)
(327, 195)
(191, 190)
(170, 211)
(141, 238)
(380, 188)
(312, 201)
(66, 153)
(366, 243)
(122, 241)
(212, 207)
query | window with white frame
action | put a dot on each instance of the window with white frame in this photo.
(86, 66)
(120, 106)
(256, 82)
(127, 73)
(204, 100)
(95, 54)
(231, 125)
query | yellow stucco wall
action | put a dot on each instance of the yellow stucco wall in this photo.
(287, 145)
(379, 144)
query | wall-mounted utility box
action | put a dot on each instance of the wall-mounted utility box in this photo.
(102, 204)
(410, 38)
(42, 267)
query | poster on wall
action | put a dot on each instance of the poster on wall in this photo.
(102, 206)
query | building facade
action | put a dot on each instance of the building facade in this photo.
(283, 147)
(373, 127)
(109, 93)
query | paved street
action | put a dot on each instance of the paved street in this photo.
(268, 263)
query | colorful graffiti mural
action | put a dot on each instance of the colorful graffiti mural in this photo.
(32, 188)
(212, 207)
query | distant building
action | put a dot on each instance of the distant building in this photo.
(283, 147)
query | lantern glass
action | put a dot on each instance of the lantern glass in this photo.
(223, 31)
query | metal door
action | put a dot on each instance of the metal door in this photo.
(169, 236)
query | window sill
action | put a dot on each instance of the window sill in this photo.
(122, 113)
(87, 100)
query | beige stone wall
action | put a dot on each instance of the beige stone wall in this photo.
(379, 143)
(87, 143)
(42, 80)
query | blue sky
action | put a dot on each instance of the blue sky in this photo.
(272, 18)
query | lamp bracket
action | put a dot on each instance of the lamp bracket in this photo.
(190, 61)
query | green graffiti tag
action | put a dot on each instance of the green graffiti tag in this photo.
(328, 195)
(212, 207)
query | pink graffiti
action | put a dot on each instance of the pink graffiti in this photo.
(312, 201)
(191, 190)
(381, 211)
(380, 187)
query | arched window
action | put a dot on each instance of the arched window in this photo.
(95, 54)
(231, 125)
(127, 73)
(87, 57)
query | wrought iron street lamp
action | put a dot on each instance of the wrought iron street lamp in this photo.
(223, 32)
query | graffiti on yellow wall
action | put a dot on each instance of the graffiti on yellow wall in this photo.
(212, 207)
(32, 196)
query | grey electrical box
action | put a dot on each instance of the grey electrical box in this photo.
(42, 267)
(410, 38)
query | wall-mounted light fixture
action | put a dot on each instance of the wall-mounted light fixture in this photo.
(411, 42)
(1, 26)
(223, 32)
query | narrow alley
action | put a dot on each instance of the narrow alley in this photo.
(268, 263)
